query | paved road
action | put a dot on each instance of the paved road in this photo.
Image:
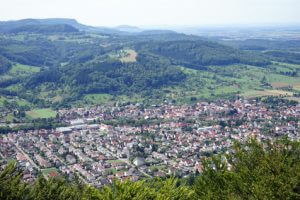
(27, 157)
(31, 161)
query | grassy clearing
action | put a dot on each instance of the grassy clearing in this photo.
(128, 55)
(158, 167)
(41, 113)
(9, 118)
(2, 99)
(20, 69)
(15, 87)
(15, 100)
(22, 102)
(97, 98)
(294, 99)
(115, 161)
(135, 98)
(295, 85)
(258, 93)
(48, 171)
(111, 171)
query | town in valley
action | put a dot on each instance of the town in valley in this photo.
(99, 144)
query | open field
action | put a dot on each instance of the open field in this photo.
(295, 86)
(50, 171)
(226, 81)
(294, 99)
(130, 56)
(20, 69)
(259, 93)
(97, 98)
(115, 161)
(41, 113)
(2, 100)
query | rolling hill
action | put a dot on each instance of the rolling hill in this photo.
(56, 66)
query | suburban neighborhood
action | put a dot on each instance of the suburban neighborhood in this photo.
(101, 144)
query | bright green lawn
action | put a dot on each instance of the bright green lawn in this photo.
(20, 69)
(97, 98)
(48, 171)
(41, 113)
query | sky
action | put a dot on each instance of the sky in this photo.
(156, 12)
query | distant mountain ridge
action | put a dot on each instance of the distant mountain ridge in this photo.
(56, 28)
(9, 26)
(39, 25)
(127, 28)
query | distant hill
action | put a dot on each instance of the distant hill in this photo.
(4, 64)
(126, 28)
(156, 32)
(196, 54)
(31, 25)
(57, 24)
(74, 67)
(44, 29)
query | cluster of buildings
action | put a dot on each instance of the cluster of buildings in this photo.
(102, 143)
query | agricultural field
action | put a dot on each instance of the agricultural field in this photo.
(41, 113)
(260, 93)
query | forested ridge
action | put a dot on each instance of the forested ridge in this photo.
(4, 64)
(255, 170)
(196, 54)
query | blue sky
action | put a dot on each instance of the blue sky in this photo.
(156, 12)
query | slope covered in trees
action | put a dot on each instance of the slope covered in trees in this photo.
(196, 54)
(277, 50)
(253, 171)
(4, 64)
(45, 29)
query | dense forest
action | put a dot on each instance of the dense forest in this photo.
(279, 50)
(197, 54)
(45, 29)
(4, 64)
(254, 170)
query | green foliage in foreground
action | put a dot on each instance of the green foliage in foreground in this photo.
(257, 171)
